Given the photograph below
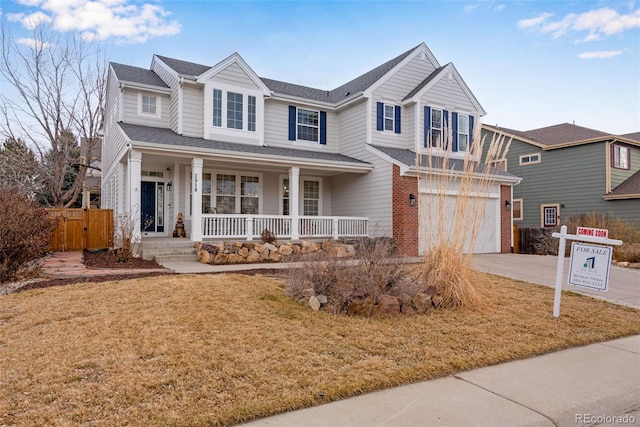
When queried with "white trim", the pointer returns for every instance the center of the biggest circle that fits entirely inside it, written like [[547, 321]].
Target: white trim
[[513, 204], [530, 162], [158, 102], [298, 141], [301, 200], [235, 58]]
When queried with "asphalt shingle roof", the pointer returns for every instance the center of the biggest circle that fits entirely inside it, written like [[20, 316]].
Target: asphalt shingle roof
[[634, 135], [629, 186], [408, 158], [334, 96], [168, 137], [131, 74], [424, 82]]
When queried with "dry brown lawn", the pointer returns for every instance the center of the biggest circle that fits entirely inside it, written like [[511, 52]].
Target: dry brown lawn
[[222, 349]]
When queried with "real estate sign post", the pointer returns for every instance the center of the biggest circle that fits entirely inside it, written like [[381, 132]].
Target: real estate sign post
[[589, 264]]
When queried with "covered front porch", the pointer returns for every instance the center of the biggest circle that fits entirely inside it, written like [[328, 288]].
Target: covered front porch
[[220, 199]]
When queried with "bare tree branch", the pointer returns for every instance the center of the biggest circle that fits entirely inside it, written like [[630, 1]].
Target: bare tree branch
[[56, 97]]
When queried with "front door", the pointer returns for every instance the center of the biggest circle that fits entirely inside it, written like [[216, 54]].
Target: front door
[[152, 207]]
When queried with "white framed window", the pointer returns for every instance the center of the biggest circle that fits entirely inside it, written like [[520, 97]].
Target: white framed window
[[436, 128], [311, 197], [463, 132], [148, 105], [251, 115], [530, 159], [217, 107], [621, 157], [228, 192], [389, 114], [516, 210], [308, 125], [550, 215], [234, 110], [229, 108]]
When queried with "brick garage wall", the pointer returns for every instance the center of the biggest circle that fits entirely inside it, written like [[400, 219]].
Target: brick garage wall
[[505, 219], [405, 216]]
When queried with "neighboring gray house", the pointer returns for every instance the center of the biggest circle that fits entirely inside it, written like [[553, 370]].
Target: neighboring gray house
[[568, 169], [236, 153]]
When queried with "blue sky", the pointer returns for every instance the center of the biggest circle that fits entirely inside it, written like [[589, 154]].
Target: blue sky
[[530, 63]]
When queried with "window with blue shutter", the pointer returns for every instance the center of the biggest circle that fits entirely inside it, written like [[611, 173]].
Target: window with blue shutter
[[323, 127], [379, 116], [292, 123], [470, 131], [427, 125], [397, 122], [454, 128], [445, 128]]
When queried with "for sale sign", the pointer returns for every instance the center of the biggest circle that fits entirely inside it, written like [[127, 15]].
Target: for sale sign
[[589, 266]]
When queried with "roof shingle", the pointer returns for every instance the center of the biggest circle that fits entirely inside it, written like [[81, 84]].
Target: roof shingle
[[139, 75]]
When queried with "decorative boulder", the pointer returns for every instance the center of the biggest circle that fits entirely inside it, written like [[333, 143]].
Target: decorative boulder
[[387, 306]]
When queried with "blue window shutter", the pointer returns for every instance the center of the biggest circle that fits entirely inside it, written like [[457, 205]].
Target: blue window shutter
[[379, 116], [454, 128], [445, 129], [292, 123], [398, 114], [323, 127], [470, 131], [427, 125]]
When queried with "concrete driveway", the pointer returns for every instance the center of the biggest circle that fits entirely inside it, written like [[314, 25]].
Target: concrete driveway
[[624, 283]]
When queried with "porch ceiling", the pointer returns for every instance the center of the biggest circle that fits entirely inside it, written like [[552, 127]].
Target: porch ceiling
[[167, 143]]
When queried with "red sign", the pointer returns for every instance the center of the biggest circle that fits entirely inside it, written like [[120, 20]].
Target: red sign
[[593, 232]]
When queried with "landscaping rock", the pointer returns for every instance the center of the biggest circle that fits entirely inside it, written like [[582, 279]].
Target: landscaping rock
[[220, 258], [275, 256], [235, 259], [309, 292], [243, 252], [323, 299], [272, 248], [314, 303], [421, 303], [387, 306], [204, 257], [285, 250], [253, 256]]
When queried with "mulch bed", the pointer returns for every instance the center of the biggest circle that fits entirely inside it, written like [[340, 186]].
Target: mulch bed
[[109, 260]]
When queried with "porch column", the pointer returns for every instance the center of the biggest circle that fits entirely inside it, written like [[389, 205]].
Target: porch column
[[133, 205], [196, 197], [294, 201]]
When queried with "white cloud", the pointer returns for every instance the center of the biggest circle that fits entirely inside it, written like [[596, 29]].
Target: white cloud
[[599, 23], [602, 54], [499, 8], [33, 43], [122, 20], [534, 22], [470, 7], [30, 21]]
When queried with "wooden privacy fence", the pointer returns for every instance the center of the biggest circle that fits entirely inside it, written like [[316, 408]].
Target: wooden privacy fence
[[80, 229]]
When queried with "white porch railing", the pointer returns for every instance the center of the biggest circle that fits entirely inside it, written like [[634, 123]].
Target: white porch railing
[[250, 227]]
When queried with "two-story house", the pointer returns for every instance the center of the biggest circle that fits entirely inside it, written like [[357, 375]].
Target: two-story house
[[568, 169], [236, 153]]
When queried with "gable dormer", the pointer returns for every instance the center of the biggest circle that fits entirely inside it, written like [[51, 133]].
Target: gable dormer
[[233, 102]]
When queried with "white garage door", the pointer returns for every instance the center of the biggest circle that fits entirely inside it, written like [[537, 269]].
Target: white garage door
[[488, 238]]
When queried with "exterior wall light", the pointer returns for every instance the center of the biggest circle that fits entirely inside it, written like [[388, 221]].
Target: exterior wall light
[[507, 204], [412, 199]]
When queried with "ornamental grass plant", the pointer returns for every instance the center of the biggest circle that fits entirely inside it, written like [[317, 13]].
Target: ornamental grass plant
[[453, 197]]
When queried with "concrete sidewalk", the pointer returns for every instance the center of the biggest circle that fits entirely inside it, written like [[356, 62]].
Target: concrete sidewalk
[[595, 384]]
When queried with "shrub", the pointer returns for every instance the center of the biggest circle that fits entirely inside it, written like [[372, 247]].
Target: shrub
[[378, 270], [26, 232], [618, 228], [267, 236]]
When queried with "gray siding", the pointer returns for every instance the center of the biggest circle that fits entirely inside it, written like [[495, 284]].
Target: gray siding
[[367, 195], [131, 109], [172, 81], [236, 76], [619, 175], [276, 128], [193, 111], [573, 177]]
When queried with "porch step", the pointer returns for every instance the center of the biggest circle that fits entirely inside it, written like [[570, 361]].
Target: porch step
[[166, 247], [162, 259]]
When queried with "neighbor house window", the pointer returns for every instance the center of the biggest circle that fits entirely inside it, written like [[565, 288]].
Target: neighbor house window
[[517, 209], [436, 128], [251, 115], [530, 159], [311, 198], [217, 107], [620, 157], [550, 216], [234, 110], [463, 132], [308, 125]]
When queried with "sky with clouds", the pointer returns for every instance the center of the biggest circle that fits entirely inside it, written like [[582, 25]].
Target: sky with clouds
[[530, 63]]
